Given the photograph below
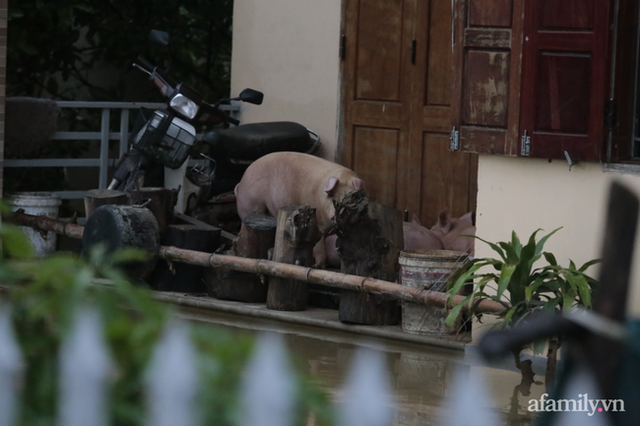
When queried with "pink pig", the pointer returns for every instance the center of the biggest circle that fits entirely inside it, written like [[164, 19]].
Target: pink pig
[[290, 178], [450, 232], [415, 235]]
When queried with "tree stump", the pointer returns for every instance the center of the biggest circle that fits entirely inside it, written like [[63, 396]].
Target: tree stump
[[100, 197], [120, 227], [369, 241], [256, 237], [296, 235], [181, 277], [160, 201]]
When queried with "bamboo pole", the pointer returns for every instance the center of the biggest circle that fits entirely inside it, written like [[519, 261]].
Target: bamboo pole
[[319, 276], [45, 223], [275, 269]]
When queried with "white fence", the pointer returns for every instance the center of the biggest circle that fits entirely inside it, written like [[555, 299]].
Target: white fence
[[268, 390], [104, 136]]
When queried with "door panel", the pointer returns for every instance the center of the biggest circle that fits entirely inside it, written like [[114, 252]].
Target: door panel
[[377, 94], [376, 156], [446, 179], [565, 69], [379, 51], [397, 84], [485, 90], [490, 13], [568, 14], [438, 178], [488, 37]]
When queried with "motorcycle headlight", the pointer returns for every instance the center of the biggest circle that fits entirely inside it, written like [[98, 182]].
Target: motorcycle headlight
[[183, 105]]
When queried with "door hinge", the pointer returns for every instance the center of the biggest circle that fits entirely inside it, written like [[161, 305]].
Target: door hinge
[[610, 114], [343, 47], [454, 140], [525, 145]]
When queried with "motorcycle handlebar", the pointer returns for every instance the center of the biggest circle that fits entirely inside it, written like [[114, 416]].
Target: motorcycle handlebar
[[143, 63]]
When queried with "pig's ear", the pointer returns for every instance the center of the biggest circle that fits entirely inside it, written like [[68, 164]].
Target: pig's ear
[[444, 220], [467, 218], [358, 184], [414, 219], [330, 186]]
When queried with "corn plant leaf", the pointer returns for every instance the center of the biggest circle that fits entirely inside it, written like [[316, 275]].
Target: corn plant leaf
[[512, 256], [550, 258], [584, 267], [544, 239], [505, 278], [453, 315], [462, 280], [584, 291], [495, 248], [515, 243], [509, 314]]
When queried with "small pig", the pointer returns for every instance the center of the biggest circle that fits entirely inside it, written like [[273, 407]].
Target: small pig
[[415, 235], [449, 231], [418, 237], [290, 178]]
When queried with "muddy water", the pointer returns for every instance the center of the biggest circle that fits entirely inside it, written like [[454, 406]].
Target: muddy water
[[420, 376]]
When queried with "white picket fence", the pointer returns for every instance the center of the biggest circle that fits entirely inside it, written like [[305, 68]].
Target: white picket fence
[[267, 391]]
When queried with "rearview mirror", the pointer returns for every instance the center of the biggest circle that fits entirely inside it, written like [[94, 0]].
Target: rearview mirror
[[251, 96], [159, 38]]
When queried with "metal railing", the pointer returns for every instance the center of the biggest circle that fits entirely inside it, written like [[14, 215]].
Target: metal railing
[[104, 136]]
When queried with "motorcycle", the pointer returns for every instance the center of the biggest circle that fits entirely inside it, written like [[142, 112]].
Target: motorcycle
[[163, 140]]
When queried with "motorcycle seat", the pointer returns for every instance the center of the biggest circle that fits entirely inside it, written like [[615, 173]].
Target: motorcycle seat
[[252, 141]]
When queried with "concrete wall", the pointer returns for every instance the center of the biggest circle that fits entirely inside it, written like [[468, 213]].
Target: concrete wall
[[289, 49], [525, 194]]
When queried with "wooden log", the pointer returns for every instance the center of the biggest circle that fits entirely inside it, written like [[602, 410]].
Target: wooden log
[[266, 267], [370, 239], [160, 201], [100, 197], [181, 277], [256, 237], [296, 235], [119, 227], [68, 228]]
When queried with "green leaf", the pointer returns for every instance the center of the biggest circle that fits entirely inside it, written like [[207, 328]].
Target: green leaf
[[15, 242], [462, 280], [512, 257], [515, 243], [505, 278], [494, 247], [544, 239], [584, 267], [453, 315], [584, 290], [550, 258]]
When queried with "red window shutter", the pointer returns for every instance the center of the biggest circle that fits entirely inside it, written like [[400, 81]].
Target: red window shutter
[[565, 78]]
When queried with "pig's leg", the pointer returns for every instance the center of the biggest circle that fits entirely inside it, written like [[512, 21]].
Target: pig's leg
[[320, 253], [247, 201]]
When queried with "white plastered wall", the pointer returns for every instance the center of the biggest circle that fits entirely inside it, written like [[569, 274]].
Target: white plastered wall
[[289, 49], [524, 194]]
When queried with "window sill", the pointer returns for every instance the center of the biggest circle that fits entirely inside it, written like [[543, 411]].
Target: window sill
[[622, 168]]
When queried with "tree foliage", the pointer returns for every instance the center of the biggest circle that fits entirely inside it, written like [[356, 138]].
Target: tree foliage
[[56, 47]]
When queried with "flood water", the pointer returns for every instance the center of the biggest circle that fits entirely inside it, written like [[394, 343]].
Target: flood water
[[421, 376]]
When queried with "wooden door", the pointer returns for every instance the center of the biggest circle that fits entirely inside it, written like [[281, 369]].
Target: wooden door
[[564, 79], [396, 109]]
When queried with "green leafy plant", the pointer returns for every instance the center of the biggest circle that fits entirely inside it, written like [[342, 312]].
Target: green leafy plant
[[513, 280], [45, 293]]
